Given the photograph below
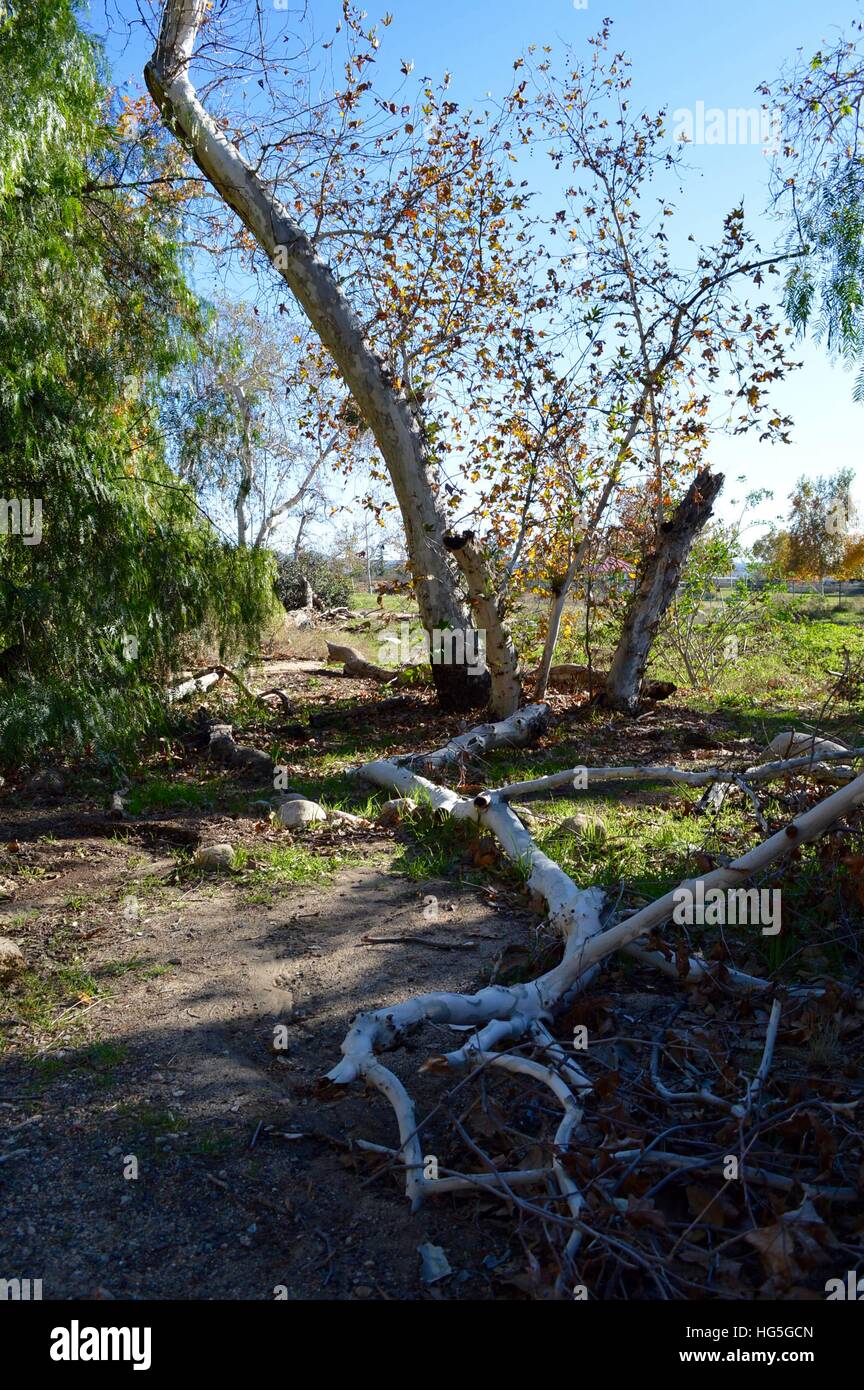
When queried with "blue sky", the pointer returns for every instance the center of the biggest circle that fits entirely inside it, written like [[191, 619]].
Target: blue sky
[[682, 54]]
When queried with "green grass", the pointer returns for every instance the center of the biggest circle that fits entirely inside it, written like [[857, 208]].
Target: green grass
[[101, 1058], [39, 1000], [18, 920], [159, 795], [648, 846], [273, 865], [148, 970], [145, 1120], [435, 847], [392, 603]]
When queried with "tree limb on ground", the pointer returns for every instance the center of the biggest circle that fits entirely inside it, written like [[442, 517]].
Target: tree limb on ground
[[355, 664], [506, 1015]]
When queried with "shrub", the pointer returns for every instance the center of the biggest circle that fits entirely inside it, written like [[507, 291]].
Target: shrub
[[328, 581]]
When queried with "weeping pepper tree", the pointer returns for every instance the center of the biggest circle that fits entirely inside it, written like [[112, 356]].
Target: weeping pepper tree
[[94, 311]]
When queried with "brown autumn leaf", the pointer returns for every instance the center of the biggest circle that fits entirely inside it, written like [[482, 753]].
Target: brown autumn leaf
[[776, 1247], [485, 855], [708, 1205], [644, 1213], [795, 1243], [606, 1085]]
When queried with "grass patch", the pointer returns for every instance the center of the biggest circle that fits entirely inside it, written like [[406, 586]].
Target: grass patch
[[142, 1119], [35, 999], [290, 863], [435, 848], [159, 795], [112, 969]]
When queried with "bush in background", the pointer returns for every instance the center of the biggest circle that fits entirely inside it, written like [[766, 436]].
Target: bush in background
[[330, 584]]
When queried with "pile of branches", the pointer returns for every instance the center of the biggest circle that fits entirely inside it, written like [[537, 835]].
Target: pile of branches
[[645, 1147]]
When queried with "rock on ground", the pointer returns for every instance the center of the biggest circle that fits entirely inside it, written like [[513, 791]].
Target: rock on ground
[[12, 962], [298, 812], [214, 858], [581, 824], [48, 782]]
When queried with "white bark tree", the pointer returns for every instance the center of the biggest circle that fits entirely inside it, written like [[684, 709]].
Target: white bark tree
[[252, 423], [385, 407]]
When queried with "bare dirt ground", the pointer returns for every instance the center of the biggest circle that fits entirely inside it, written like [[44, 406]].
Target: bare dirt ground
[[172, 1063], [155, 1143]]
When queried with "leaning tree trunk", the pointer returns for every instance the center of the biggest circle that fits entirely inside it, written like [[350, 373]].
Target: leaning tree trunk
[[656, 589], [386, 410]]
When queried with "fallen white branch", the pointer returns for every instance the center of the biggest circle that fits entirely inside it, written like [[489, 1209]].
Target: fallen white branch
[[519, 729], [755, 1087], [577, 778], [503, 1015], [661, 1158], [355, 664], [196, 684]]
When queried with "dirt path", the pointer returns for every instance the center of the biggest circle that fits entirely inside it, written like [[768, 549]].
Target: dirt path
[[170, 1066]]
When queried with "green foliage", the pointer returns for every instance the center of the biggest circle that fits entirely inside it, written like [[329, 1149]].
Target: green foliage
[[329, 583], [706, 631], [94, 311], [826, 290], [821, 509], [820, 184]]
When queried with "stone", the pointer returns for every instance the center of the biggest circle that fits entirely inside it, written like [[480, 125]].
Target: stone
[[790, 744], [347, 819], [297, 812], [12, 962], [48, 782], [392, 812], [586, 826], [215, 858], [8, 889], [252, 760], [221, 747]]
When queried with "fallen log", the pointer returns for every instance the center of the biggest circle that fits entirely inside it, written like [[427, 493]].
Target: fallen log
[[195, 684], [203, 680], [355, 664], [578, 778], [516, 731]]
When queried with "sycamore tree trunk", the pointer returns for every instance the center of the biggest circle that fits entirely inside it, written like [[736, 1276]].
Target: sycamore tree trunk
[[505, 691], [386, 410], [656, 589]]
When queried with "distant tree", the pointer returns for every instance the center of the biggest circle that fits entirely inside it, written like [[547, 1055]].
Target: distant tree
[[771, 556], [820, 525], [254, 420], [329, 582]]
